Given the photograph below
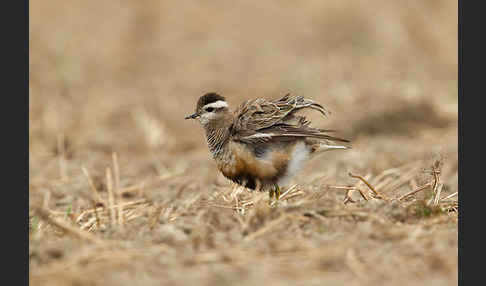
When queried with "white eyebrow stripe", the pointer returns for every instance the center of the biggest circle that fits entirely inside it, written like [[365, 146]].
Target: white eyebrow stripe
[[216, 104]]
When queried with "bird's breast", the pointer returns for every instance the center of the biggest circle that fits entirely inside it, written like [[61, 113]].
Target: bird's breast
[[242, 161]]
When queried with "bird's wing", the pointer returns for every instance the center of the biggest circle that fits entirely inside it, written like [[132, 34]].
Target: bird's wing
[[260, 120]]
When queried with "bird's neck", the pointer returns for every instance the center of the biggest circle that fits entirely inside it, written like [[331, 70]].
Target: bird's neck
[[217, 138]]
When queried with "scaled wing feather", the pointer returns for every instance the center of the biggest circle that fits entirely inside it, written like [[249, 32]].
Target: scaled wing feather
[[260, 120]]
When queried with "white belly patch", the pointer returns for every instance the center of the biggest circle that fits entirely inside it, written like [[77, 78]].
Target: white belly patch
[[298, 158]]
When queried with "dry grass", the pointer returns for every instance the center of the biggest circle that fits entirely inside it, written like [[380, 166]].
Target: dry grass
[[122, 190]]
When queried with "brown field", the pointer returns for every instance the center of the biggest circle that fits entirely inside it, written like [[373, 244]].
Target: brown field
[[123, 191]]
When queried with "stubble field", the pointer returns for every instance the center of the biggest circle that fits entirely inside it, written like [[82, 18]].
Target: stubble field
[[123, 191]]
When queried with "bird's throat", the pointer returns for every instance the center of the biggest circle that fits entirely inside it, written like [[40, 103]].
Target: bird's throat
[[217, 139]]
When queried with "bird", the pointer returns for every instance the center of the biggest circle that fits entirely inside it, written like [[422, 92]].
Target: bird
[[263, 143]]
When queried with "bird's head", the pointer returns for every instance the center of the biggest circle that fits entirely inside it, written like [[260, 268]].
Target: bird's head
[[211, 109]]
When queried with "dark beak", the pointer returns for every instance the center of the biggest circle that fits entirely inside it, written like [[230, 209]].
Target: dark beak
[[192, 116]]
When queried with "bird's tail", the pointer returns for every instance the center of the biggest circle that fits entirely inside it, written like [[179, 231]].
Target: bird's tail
[[321, 147]]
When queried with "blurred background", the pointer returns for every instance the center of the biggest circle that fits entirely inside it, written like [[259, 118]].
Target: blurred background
[[122, 75]]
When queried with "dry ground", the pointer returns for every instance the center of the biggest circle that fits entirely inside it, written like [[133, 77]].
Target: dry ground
[[122, 190]]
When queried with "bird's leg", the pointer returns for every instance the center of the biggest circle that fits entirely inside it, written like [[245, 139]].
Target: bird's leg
[[277, 192]]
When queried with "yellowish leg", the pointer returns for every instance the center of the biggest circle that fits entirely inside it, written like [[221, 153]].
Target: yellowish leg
[[270, 193], [277, 192]]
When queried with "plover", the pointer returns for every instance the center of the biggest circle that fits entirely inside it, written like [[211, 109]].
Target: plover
[[263, 143]]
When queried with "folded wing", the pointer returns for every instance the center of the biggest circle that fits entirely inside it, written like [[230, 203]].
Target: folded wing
[[260, 120]]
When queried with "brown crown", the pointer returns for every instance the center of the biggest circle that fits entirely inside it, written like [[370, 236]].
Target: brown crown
[[208, 98]]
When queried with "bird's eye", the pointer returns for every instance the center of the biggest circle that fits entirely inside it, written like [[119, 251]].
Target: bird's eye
[[209, 109]]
